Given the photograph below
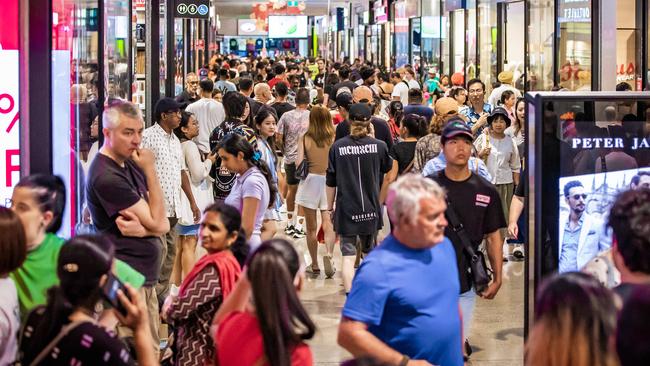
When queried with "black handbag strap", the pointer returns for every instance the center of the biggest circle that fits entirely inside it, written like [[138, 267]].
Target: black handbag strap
[[459, 229]]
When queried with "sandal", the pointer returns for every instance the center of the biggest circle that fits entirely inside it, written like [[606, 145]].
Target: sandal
[[311, 270]]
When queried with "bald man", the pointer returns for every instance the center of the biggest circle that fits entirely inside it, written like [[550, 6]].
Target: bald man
[[263, 93]]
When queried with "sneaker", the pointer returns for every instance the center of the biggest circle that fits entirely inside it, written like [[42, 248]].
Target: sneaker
[[289, 230], [329, 266], [298, 233]]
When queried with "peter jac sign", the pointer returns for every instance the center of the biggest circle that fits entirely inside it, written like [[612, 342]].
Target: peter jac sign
[[199, 9]]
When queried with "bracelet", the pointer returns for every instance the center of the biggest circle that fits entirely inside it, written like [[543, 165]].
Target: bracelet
[[405, 360]]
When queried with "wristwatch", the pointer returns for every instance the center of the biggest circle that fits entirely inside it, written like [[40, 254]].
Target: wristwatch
[[405, 360]]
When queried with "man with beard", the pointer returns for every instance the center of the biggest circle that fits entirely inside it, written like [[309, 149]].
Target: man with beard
[[582, 236]]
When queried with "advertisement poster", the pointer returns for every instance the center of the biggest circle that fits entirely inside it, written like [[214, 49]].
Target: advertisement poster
[[287, 26], [9, 102]]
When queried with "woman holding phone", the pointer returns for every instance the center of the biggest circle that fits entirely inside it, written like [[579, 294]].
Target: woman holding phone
[[65, 330]]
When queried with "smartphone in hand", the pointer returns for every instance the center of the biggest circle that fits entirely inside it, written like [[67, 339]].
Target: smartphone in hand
[[109, 291]]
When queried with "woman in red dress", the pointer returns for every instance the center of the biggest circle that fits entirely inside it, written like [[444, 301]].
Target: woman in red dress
[[263, 321]]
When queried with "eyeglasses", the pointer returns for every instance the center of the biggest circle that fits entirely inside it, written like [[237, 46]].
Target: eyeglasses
[[578, 196]]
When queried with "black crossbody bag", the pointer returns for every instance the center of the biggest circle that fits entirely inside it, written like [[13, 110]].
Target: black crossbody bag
[[481, 275]]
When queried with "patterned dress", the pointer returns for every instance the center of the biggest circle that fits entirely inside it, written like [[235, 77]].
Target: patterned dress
[[192, 314]]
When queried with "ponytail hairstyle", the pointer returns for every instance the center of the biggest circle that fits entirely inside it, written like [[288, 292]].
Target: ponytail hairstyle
[[416, 125], [283, 321], [234, 144], [359, 129], [83, 261], [263, 113], [49, 193], [231, 219]]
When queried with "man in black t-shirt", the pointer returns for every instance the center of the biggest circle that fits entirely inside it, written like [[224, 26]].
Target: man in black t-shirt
[[126, 201], [355, 174], [477, 204], [281, 105]]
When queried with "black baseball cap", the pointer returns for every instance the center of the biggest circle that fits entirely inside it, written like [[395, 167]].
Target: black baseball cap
[[360, 112], [165, 105], [456, 128]]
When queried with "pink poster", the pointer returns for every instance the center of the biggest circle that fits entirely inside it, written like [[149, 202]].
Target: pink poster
[[9, 93]]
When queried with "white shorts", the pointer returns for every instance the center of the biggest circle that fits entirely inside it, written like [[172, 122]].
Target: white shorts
[[311, 192]]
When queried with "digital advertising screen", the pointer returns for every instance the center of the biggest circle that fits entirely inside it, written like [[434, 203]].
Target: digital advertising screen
[[591, 151], [250, 27], [288, 26], [583, 150]]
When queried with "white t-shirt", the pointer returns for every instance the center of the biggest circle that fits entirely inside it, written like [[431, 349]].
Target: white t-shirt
[[401, 90], [413, 84], [9, 321], [210, 114], [503, 159]]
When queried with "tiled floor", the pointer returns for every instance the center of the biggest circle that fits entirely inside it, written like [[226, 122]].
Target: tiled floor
[[496, 335]]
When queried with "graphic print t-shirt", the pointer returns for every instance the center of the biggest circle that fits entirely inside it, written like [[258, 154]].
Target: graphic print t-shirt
[[223, 178], [356, 168]]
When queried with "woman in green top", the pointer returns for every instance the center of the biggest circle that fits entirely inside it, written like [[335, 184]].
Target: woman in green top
[[39, 201]]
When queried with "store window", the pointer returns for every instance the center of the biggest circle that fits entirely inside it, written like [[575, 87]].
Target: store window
[[75, 104], [401, 35], [432, 34], [458, 24], [540, 44], [470, 39], [628, 52], [487, 10], [9, 102], [574, 44], [514, 47], [116, 49]]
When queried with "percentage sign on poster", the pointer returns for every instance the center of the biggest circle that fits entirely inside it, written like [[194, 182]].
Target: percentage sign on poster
[[9, 109]]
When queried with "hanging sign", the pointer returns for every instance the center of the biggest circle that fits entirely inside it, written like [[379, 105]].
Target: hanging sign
[[197, 9]]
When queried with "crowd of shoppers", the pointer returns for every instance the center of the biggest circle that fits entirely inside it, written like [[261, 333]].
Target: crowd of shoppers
[[188, 216]]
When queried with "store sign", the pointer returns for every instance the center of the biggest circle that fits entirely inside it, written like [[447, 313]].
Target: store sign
[[380, 11], [9, 100], [574, 11], [140, 4], [199, 9]]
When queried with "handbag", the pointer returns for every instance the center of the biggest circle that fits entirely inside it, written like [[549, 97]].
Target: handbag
[[481, 275], [302, 170]]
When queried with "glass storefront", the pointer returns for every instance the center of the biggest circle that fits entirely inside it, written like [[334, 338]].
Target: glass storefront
[[540, 44], [628, 44], [470, 41], [513, 43], [433, 32], [574, 45], [487, 31], [400, 35]]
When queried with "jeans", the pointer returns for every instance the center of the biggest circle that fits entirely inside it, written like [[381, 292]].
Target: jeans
[[467, 302]]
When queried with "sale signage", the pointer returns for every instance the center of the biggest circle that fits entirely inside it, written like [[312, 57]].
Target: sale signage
[[9, 100]]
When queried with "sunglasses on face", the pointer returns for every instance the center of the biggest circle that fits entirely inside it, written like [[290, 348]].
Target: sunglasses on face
[[578, 196]]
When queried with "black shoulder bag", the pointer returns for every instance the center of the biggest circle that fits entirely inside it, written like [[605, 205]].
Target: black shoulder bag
[[481, 275]]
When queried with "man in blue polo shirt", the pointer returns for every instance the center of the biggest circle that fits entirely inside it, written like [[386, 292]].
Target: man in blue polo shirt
[[403, 306]]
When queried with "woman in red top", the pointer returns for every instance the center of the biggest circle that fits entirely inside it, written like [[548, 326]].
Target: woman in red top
[[273, 330]]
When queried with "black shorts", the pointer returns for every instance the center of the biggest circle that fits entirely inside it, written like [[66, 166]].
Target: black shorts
[[290, 172], [351, 243]]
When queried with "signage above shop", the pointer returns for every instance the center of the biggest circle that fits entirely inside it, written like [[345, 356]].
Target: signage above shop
[[198, 9], [574, 11]]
